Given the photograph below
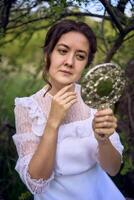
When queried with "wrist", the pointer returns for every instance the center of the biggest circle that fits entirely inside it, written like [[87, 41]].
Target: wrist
[[52, 124], [103, 142]]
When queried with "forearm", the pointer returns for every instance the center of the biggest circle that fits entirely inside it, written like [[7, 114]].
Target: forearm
[[42, 162], [109, 157]]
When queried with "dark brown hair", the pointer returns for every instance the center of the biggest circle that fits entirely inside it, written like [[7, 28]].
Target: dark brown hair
[[60, 28]]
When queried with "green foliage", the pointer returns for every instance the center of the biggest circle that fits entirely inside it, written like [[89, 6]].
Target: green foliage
[[25, 196], [21, 50], [13, 85], [106, 36], [21, 76], [9, 179], [127, 158], [126, 51], [128, 165]]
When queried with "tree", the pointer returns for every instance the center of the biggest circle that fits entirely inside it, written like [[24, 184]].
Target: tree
[[35, 11]]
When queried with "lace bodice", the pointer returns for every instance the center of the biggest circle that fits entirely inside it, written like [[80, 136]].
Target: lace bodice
[[77, 112], [31, 115]]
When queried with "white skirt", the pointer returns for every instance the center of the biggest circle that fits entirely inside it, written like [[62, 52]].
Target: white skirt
[[93, 184]]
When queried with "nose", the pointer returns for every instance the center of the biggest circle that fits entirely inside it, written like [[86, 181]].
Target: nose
[[69, 61]]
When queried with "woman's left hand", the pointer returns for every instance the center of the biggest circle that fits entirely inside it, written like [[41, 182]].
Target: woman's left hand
[[104, 124]]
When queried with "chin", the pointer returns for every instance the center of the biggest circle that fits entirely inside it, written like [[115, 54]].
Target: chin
[[65, 82]]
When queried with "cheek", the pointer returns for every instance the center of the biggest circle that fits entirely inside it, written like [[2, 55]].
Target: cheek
[[79, 74], [53, 64], [81, 68], [57, 60], [51, 70]]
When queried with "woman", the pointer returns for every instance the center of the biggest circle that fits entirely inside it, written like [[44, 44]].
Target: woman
[[62, 152]]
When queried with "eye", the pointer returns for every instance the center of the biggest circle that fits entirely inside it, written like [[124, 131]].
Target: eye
[[62, 51], [81, 57]]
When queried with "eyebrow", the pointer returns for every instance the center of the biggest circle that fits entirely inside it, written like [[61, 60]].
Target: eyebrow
[[81, 51]]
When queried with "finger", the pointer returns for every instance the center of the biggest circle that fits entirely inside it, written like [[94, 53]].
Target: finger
[[105, 124], [103, 112], [106, 131], [67, 94], [106, 118], [64, 89], [68, 99], [70, 103]]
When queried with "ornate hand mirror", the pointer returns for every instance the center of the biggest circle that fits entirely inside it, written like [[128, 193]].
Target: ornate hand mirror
[[102, 85]]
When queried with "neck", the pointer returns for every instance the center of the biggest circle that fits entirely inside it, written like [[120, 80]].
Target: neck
[[57, 87]]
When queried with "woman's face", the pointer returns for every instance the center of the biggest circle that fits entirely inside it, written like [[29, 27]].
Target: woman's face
[[68, 59]]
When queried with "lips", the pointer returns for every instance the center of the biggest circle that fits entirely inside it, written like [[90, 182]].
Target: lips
[[64, 71]]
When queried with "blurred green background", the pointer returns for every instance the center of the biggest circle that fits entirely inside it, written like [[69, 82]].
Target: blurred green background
[[21, 64]]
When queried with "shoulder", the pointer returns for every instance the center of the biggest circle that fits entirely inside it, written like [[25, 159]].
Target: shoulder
[[28, 100], [30, 107], [29, 104]]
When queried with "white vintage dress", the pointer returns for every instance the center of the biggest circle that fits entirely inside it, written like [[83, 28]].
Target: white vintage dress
[[77, 173]]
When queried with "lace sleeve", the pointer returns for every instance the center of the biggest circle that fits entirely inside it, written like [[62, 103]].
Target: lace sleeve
[[26, 143]]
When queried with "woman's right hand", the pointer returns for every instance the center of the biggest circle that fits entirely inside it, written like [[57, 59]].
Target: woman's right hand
[[61, 102]]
